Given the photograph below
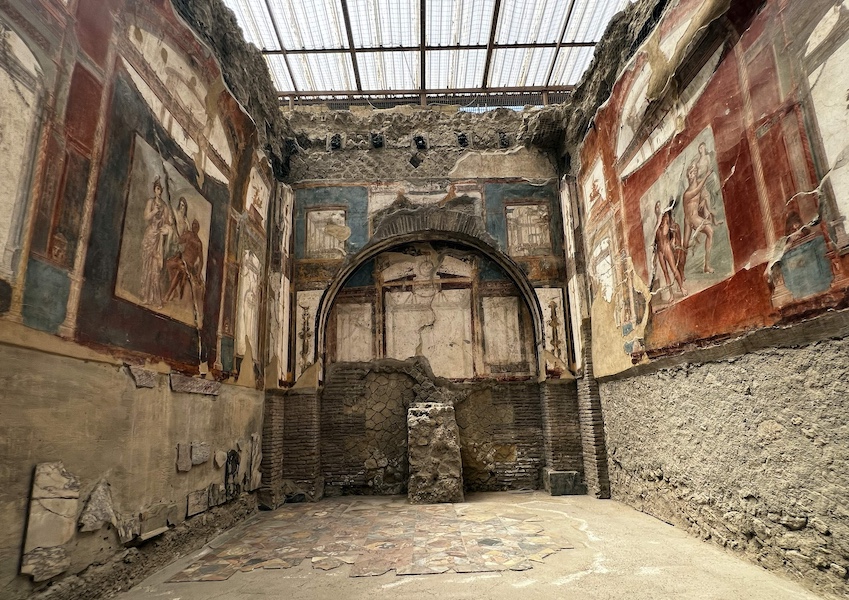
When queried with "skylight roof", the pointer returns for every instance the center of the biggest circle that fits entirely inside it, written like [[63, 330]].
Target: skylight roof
[[425, 50]]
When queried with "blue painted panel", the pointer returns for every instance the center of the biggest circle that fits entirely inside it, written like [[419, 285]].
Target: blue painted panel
[[45, 296], [353, 198], [490, 271], [227, 353], [806, 269], [362, 277], [496, 195]]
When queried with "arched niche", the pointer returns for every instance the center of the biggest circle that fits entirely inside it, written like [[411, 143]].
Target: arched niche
[[472, 242]]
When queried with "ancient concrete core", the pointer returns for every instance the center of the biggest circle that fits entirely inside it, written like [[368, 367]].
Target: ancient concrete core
[[211, 303], [436, 469]]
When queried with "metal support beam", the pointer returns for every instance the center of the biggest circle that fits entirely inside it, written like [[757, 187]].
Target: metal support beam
[[380, 49], [560, 42], [351, 46], [496, 12], [423, 51], [430, 92], [280, 42]]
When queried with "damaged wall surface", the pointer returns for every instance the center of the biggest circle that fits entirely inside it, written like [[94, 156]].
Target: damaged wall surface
[[710, 193], [708, 177], [746, 453], [139, 200]]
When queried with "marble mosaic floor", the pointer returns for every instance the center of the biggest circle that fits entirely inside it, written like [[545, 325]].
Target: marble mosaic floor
[[375, 535]]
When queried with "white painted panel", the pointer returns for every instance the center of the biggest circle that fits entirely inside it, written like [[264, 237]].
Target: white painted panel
[[431, 323]]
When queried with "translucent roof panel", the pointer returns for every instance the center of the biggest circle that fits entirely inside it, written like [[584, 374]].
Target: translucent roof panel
[[512, 67], [452, 23], [309, 25], [320, 72], [389, 70], [308, 44], [590, 18], [525, 21], [455, 69], [384, 23], [256, 23], [279, 71], [571, 64]]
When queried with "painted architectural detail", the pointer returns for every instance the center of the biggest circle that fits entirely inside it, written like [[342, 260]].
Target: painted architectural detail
[[326, 233], [826, 55], [305, 317], [528, 230], [165, 240], [247, 308], [502, 334], [355, 331], [551, 302], [170, 79], [258, 195], [21, 86], [595, 187]]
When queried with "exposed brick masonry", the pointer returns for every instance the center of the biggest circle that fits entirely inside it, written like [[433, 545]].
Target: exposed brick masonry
[[301, 452], [270, 491], [592, 423], [561, 430]]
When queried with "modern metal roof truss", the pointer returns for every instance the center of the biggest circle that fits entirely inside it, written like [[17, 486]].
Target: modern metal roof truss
[[424, 49]]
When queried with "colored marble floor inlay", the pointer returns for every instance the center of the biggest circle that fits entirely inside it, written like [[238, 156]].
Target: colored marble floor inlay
[[377, 535]]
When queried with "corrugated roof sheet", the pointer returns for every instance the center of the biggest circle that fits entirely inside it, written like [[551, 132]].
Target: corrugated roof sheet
[[314, 48]]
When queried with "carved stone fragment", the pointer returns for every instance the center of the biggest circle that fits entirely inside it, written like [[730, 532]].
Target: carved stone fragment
[[184, 457], [98, 509], [200, 452]]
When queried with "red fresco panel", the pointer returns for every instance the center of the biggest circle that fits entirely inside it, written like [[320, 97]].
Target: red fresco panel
[[83, 101], [94, 28]]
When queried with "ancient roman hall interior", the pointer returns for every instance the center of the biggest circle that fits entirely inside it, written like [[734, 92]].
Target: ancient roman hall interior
[[269, 254]]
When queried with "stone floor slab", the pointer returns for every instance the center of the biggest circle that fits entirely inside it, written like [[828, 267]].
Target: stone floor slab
[[511, 545]]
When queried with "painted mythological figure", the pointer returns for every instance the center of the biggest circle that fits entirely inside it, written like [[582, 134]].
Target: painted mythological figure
[[706, 210], [158, 226], [186, 264], [668, 248], [698, 219]]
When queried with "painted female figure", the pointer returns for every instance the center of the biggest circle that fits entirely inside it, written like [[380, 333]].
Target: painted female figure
[[157, 217]]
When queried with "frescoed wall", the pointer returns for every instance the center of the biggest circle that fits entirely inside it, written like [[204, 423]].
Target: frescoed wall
[[452, 305], [712, 180], [134, 219]]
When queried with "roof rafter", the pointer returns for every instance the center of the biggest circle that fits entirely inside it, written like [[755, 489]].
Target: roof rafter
[[423, 51], [496, 13], [560, 42], [351, 47], [430, 92], [280, 41], [429, 48]]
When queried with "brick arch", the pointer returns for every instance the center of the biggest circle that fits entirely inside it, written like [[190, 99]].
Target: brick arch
[[471, 240], [432, 218]]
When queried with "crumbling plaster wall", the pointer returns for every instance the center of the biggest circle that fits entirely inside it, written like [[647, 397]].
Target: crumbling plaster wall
[[127, 95], [741, 442], [93, 418], [245, 72], [747, 452], [358, 159]]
